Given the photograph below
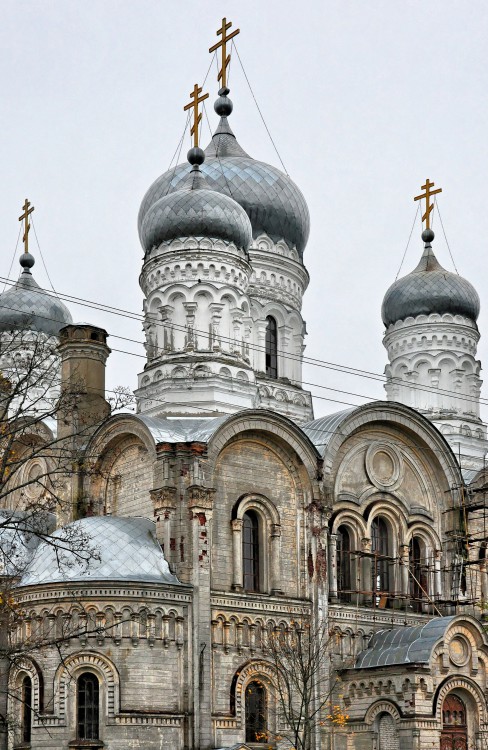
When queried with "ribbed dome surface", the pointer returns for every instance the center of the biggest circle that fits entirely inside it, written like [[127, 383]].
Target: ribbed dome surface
[[118, 549], [195, 211], [429, 288], [272, 201], [25, 306]]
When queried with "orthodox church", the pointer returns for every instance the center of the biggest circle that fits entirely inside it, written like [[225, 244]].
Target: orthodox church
[[222, 509]]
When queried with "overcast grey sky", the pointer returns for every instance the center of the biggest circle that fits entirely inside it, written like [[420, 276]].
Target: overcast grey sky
[[364, 100]]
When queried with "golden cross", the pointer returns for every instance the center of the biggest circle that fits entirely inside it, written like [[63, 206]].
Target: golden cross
[[25, 218], [427, 195], [197, 99], [223, 43]]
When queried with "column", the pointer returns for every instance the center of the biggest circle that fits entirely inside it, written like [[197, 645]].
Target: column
[[237, 579], [247, 331], [166, 312], [216, 313], [259, 355], [275, 571], [237, 316], [437, 575], [366, 572], [404, 568], [333, 567], [190, 340]]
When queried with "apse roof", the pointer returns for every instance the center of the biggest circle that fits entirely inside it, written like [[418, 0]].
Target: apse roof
[[403, 645], [321, 431], [191, 430], [100, 548]]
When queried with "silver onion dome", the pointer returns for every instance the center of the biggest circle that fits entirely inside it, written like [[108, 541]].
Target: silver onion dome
[[25, 306], [274, 204], [195, 210], [428, 289]]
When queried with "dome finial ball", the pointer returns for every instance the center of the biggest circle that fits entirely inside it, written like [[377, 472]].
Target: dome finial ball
[[428, 235], [196, 155]]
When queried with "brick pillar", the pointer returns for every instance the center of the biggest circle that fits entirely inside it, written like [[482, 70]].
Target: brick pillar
[[200, 503]]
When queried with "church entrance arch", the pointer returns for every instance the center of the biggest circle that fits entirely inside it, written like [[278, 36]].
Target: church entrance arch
[[454, 734]]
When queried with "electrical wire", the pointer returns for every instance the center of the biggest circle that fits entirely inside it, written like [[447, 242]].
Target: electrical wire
[[445, 236], [324, 364], [40, 253], [13, 259], [408, 242], [259, 110]]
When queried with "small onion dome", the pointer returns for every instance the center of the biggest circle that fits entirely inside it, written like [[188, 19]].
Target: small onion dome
[[25, 306], [195, 210], [428, 289], [274, 204]]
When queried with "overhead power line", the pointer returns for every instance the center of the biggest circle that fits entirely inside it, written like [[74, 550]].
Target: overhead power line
[[324, 364]]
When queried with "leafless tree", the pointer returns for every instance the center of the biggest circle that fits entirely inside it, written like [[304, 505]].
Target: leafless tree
[[43, 454], [304, 685]]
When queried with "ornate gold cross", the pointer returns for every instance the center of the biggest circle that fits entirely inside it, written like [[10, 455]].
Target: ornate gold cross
[[25, 218], [428, 205], [197, 117], [223, 43]]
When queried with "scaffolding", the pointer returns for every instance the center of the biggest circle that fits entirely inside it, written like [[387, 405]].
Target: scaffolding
[[436, 582]]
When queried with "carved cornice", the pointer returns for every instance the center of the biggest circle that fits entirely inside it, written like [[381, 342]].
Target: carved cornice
[[200, 497], [163, 498]]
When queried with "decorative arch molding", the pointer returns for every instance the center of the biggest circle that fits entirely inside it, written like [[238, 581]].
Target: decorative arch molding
[[116, 429], [426, 532], [394, 515], [401, 417], [382, 707], [26, 667], [256, 502], [460, 683], [272, 424], [256, 669], [88, 661], [353, 520]]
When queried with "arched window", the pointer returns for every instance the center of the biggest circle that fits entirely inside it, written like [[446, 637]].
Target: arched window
[[417, 574], [256, 712], [380, 562], [250, 551], [271, 348], [343, 564], [88, 707], [26, 709]]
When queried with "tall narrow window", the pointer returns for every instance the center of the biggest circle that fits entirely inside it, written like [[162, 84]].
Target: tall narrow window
[[88, 706], [271, 348], [343, 564], [417, 574], [381, 563], [256, 710], [250, 550], [26, 709]]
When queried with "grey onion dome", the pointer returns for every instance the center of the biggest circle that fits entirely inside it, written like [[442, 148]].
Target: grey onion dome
[[428, 289], [274, 204], [195, 210], [25, 306]]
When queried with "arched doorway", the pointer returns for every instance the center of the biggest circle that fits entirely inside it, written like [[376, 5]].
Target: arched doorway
[[454, 734]]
